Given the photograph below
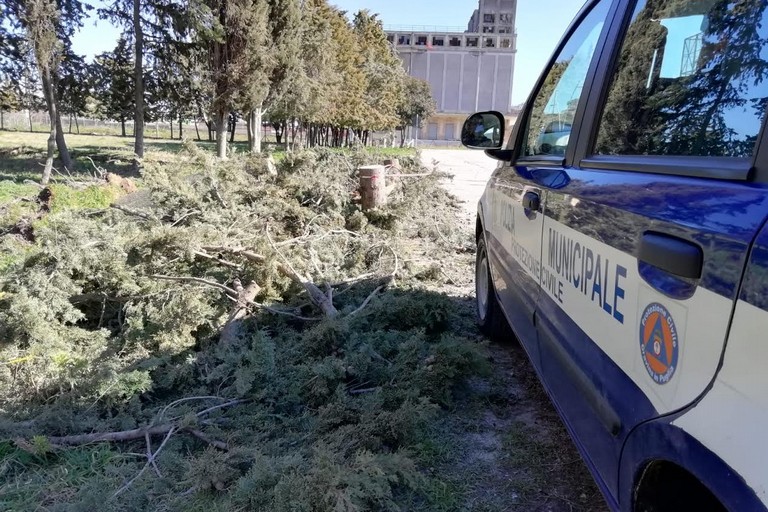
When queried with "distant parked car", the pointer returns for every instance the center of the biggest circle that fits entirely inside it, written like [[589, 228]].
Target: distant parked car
[[626, 245], [554, 137]]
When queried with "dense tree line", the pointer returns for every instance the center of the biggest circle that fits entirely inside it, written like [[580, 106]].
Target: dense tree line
[[300, 65]]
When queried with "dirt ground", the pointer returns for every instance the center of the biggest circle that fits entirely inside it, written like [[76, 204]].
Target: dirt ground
[[471, 170], [510, 450]]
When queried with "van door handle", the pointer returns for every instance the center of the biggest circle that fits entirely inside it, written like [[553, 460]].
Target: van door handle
[[531, 201], [671, 254]]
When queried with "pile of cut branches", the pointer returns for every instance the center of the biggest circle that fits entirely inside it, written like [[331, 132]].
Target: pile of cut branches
[[231, 337]]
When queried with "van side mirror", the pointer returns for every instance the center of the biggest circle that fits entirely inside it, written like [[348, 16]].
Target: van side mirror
[[484, 130]]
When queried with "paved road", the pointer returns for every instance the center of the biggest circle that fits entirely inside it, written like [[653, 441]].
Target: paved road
[[471, 170]]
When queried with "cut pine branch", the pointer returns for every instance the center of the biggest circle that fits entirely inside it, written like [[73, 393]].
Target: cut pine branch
[[245, 296], [316, 295], [137, 433]]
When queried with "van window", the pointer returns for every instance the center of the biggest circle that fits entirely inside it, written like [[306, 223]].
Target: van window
[[692, 80], [554, 108]]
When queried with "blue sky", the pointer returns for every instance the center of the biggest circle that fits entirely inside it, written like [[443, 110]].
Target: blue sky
[[540, 24]]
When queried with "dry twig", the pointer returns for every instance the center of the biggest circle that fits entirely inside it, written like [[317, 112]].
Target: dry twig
[[150, 461], [214, 284]]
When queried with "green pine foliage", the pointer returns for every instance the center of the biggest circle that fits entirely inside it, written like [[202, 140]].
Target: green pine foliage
[[90, 341]]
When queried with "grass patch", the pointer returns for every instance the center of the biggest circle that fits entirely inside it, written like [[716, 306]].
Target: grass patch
[[93, 197], [115, 153], [10, 190]]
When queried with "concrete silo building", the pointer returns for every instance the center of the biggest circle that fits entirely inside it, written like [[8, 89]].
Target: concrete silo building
[[469, 70]]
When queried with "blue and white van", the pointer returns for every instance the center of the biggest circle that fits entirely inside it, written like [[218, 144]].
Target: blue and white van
[[629, 254]]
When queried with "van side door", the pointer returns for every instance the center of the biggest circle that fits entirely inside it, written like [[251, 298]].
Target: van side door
[[646, 237]]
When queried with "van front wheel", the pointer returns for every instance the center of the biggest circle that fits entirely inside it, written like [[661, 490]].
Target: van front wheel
[[490, 319]]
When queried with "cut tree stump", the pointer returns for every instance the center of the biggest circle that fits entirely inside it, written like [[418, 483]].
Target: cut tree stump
[[373, 186]]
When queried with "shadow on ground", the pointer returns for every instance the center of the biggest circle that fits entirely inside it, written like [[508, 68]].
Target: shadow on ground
[[506, 448]]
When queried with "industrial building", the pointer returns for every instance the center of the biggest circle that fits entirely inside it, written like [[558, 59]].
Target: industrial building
[[469, 70]]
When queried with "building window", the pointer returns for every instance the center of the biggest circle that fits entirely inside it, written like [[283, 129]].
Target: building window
[[506, 18], [506, 43], [404, 40], [454, 41], [391, 38], [489, 29], [490, 42], [489, 18], [505, 30], [421, 40], [438, 41], [472, 41]]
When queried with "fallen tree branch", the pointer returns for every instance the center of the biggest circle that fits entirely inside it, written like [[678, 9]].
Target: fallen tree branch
[[214, 284], [99, 172], [245, 296], [232, 294], [231, 403], [245, 253], [221, 445], [363, 391], [150, 455], [217, 259], [367, 300], [180, 401], [283, 312], [150, 461], [389, 280], [141, 432], [184, 217], [322, 300], [100, 437], [133, 213], [315, 294]]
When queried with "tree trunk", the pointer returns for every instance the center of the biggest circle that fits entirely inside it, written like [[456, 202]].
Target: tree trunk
[[122, 124], [181, 127], [254, 127], [53, 113], [138, 70], [171, 123], [234, 127], [249, 128], [51, 102], [77, 125], [207, 122], [66, 159], [197, 130], [70, 122], [2, 120], [30, 120], [222, 116]]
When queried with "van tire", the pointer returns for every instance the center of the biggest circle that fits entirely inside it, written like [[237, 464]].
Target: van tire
[[490, 318]]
